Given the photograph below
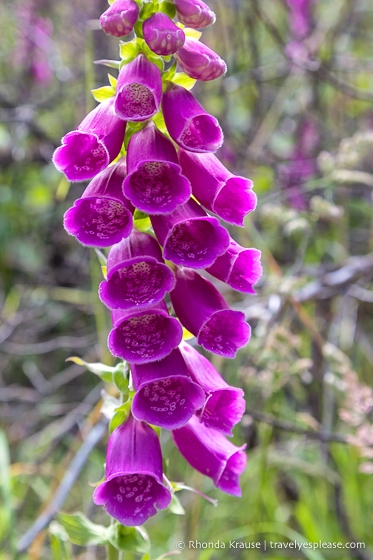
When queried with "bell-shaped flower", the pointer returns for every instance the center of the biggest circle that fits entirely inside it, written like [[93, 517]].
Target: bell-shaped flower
[[93, 145], [199, 61], [139, 90], [136, 274], [189, 236], [119, 18], [238, 267], [166, 396], [161, 34], [205, 313], [216, 188], [133, 489], [144, 336], [189, 125], [103, 215], [212, 454], [225, 405], [154, 183], [194, 13]]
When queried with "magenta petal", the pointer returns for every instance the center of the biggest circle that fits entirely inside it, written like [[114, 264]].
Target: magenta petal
[[136, 275], [205, 313], [165, 396], [216, 188], [190, 237], [224, 406], [142, 337], [154, 184], [161, 34], [102, 216], [212, 454], [96, 142], [139, 90], [133, 488], [194, 13], [119, 18], [189, 125], [239, 267], [199, 61]]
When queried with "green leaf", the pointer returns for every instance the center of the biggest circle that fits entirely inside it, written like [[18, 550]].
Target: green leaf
[[132, 127], [120, 377], [141, 221], [167, 8], [6, 486], [183, 80], [103, 371], [175, 506], [129, 51], [108, 63], [81, 530], [170, 73], [103, 93], [148, 9], [59, 540], [120, 416], [158, 119], [132, 539]]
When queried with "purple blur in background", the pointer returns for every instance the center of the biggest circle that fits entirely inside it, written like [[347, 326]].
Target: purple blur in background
[[103, 215], [139, 90], [225, 405], [212, 454], [166, 395], [198, 61], [189, 236], [216, 188], [155, 183], [161, 34], [189, 125], [205, 313], [136, 274], [133, 489], [93, 145]]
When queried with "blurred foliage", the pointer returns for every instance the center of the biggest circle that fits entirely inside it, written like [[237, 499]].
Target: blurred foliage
[[301, 127]]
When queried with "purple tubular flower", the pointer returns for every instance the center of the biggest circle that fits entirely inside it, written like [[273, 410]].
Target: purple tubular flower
[[239, 267], [102, 216], [93, 145], [154, 184], [119, 18], [224, 406], [136, 275], [199, 61], [139, 90], [212, 454], [205, 313], [144, 336], [189, 236], [133, 489], [161, 34], [216, 188], [166, 396], [194, 13], [188, 123]]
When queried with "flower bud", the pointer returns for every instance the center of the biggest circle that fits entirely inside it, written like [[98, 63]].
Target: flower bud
[[119, 18], [199, 61], [161, 34], [194, 13]]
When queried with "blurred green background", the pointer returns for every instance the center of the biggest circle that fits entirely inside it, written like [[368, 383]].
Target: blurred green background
[[297, 113]]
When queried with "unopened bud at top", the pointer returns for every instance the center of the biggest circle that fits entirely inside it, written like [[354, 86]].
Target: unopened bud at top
[[194, 13], [119, 19]]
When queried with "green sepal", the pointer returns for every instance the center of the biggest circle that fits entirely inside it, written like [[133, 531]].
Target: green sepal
[[131, 539], [81, 530], [133, 127], [184, 80], [112, 80], [120, 416], [175, 506], [167, 8], [128, 51], [170, 73], [158, 119], [103, 93], [141, 221], [148, 9]]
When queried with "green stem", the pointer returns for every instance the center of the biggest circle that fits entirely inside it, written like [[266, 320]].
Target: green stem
[[112, 552]]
